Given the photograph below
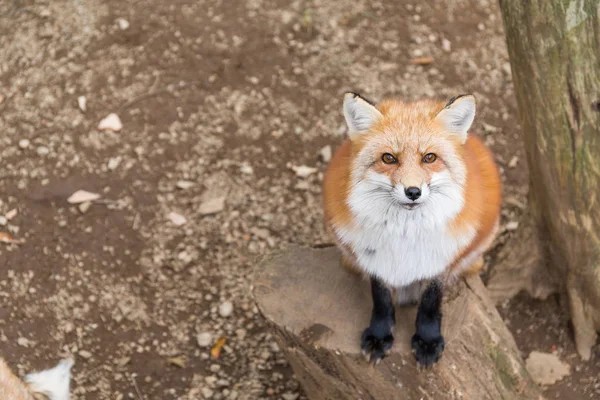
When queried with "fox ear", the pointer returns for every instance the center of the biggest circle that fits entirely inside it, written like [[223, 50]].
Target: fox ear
[[458, 115], [360, 114]]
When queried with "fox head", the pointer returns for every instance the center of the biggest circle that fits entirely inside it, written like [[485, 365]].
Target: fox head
[[408, 156]]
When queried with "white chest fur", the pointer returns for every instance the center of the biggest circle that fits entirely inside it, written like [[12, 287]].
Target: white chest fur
[[403, 250], [402, 246]]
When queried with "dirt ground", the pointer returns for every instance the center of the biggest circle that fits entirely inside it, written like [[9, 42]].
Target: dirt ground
[[219, 101]]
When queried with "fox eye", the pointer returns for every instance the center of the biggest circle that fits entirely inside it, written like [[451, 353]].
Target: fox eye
[[387, 158], [429, 158]]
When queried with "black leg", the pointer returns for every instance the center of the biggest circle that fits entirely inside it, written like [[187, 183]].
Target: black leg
[[428, 342], [377, 339]]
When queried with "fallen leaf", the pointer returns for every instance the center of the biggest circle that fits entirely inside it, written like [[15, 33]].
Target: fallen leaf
[[6, 238], [215, 352], [177, 361], [176, 218], [112, 122], [82, 196], [422, 60]]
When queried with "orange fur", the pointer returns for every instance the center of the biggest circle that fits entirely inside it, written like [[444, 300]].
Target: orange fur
[[482, 189], [11, 387]]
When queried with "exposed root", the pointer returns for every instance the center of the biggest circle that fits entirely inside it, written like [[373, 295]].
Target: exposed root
[[521, 266]]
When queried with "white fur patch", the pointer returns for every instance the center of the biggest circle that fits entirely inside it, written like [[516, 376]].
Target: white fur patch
[[398, 245], [53, 383]]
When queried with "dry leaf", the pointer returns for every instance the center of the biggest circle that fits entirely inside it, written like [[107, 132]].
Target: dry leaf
[[82, 196], [216, 350], [422, 60], [6, 238], [177, 361]]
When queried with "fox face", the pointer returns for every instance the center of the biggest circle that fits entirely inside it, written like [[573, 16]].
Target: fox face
[[408, 156]]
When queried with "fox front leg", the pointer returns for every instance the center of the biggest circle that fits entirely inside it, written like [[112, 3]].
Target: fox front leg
[[427, 342], [378, 338]]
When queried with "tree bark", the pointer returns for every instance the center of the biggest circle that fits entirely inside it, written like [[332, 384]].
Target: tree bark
[[554, 49], [317, 310]]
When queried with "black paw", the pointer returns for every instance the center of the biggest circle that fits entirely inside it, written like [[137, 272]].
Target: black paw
[[376, 345], [427, 352]]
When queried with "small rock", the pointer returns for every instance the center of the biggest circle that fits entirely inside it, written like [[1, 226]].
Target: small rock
[[85, 354], [489, 128], [23, 342], [212, 206], [176, 218], [12, 214], [81, 196], [24, 143], [303, 171], [225, 309], [512, 225], [204, 339], [290, 396], [513, 162], [446, 45], [546, 368], [43, 150], [3, 220], [82, 103], [123, 24], [184, 185], [85, 206], [325, 153], [506, 68], [111, 123], [114, 162], [246, 169], [207, 393]]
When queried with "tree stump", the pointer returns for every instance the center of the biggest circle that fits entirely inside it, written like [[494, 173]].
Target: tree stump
[[318, 310]]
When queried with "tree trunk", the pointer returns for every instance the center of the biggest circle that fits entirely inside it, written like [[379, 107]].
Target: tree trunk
[[554, 49], [317, 310]]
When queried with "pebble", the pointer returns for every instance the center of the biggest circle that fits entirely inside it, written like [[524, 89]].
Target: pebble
[[184, 185], [225, 309], [43, 150], [23, 342], [3, 220], [204, 339], [123, 24], [82, 196], [24, 143], [85, 206], [114, 162], [246, 169], [446, 45], [176, 218], [82, 103], [290, 396], [207, 393], [212, 206], [85, 354], [303, 171], [326, 153], [112, 122], [546, 368]]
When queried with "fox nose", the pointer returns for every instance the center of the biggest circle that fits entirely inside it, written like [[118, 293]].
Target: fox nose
[[413, 193]]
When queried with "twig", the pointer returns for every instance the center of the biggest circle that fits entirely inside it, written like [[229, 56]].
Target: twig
[[135, 386]]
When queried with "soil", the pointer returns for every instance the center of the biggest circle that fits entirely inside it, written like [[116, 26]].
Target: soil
[[227, 96]]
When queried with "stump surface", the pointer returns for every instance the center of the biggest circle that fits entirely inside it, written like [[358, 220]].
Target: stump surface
[[318, 311]]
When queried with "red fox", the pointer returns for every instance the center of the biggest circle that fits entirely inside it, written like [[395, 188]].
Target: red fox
[[413, 202], [51, 384]]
